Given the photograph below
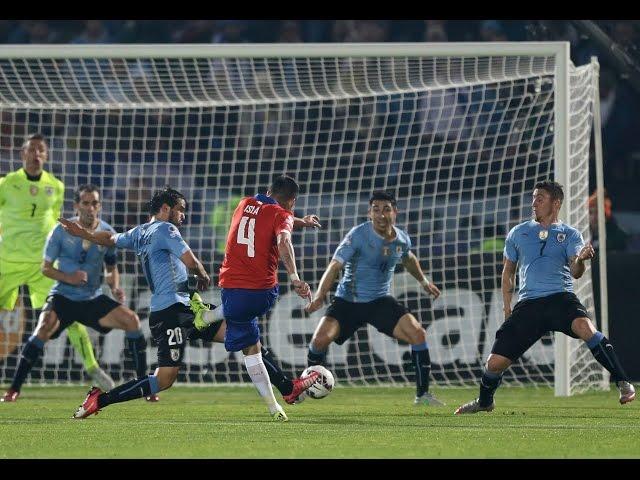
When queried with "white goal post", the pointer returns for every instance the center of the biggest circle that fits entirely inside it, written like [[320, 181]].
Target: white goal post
[[459, 132]]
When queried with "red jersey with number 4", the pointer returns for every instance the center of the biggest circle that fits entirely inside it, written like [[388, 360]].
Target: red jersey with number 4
[[251, 257]]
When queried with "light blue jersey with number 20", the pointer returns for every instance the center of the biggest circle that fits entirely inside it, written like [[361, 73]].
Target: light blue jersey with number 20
[[159, 247]]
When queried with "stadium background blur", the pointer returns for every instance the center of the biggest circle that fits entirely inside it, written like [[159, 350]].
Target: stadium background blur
[[148, 167], [619, 101]]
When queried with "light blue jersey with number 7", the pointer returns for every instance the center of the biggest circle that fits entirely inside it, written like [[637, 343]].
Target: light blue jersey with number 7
[[543, 256]]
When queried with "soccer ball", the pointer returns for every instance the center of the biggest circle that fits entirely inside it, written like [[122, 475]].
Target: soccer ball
[[323, 386]]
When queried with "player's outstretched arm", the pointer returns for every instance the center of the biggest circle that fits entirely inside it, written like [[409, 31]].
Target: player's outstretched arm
[[412, 265], [195, 266], [307, 221], [288, 256], [326, 282], [576, 263], [508, 283], [103, 237]]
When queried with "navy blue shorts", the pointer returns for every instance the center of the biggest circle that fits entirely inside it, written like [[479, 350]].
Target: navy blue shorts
[[86, 312], [531, 319], [242, 307]]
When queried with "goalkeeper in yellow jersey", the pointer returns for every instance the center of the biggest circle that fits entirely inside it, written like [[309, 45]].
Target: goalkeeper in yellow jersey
[[30, 204]]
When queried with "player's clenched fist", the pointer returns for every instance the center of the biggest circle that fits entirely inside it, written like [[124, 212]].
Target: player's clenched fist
[[302, 289], [587, 252]]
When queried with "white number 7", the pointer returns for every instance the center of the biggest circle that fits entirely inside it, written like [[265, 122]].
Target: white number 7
[[248, 240]]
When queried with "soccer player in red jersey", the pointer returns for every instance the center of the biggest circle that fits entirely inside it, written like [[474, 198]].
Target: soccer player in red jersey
[[260, 235]]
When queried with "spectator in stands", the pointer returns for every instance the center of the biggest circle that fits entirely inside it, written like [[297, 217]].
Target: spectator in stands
[[39, 32], [132, 209], [141, 31], [492, 31], [435, 31], [492, 240], [290, 32], [94, 32], [342, 30], [617, 239], [230, 31], [618, 113], [195, 31]]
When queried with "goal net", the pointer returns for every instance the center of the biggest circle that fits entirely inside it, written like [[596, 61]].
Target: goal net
[[459, 133]]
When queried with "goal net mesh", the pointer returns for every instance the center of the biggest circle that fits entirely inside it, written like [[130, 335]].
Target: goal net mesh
[[460, 141]]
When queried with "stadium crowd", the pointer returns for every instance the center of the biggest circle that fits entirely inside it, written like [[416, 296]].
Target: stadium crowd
[[619, 101]]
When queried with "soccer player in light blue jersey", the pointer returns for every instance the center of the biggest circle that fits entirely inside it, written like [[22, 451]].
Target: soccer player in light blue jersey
[[77, 293], [165, 259], [549, 253], [369, 254]]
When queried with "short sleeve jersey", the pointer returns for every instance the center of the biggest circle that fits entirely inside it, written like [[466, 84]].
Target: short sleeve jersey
[[74, 253], [543, 257], [159, 247], [251, 256], [369, 262], [28, 212]]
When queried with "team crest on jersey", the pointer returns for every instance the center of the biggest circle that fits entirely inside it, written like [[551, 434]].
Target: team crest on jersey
[[561, 237], [33, 190], [175, 354], [48, 190], [543, 234]]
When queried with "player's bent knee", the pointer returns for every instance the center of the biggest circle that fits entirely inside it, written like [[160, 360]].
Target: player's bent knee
[[497, 363], [47, 325], [418, 336], [166, 377], [131, 321], [583, 327], [321, 341]]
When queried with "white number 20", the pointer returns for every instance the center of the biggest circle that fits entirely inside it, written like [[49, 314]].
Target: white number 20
[[248, 240], [175, 334]]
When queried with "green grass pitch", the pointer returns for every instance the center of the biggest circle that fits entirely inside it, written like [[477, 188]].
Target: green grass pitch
[[232, 422]]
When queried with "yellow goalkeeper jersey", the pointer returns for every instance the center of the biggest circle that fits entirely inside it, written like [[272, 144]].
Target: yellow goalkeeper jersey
[[28, 212]]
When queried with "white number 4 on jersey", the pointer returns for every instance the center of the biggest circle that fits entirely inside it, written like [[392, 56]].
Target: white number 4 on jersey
[[247, 240]]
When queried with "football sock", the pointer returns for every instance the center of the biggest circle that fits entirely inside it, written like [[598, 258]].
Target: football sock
[[79, 338], [31, 351], [260, 378], [137, 348], [422, 364], [136, 388], [277, 376], [488, 385], [603, 352], [315, 357], [213, 315]]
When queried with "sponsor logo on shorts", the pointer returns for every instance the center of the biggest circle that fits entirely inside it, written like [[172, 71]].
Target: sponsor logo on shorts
[[175, 354]]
